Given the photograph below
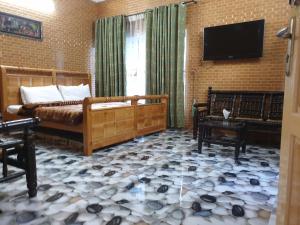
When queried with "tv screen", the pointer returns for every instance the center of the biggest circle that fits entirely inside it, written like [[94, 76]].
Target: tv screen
[[234, 41]]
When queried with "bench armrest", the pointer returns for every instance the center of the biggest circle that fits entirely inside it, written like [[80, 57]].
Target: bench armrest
[[199, 113], [202, 113], [197, 105], [199, 110]]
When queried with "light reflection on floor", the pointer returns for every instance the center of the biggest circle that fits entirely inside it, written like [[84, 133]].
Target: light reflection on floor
[[159, 179]]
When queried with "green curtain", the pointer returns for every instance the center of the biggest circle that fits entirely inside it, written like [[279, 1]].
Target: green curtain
[[110, 56], [165, 30]]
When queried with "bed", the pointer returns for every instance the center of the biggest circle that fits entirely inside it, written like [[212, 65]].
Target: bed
[[100, 126]]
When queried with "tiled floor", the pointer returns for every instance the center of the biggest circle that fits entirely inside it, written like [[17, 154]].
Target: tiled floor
[[158, 179]]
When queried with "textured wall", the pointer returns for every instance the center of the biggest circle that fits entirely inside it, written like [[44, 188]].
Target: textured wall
[[68, 37], [67, 42], [266, 73]]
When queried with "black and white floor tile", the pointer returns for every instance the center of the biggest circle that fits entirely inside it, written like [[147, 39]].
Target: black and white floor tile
[[158, 179]]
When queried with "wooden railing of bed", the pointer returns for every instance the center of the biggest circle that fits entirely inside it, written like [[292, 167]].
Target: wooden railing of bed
[[101, 127], [114, 125]]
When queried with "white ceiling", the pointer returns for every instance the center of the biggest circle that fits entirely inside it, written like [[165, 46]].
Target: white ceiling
[[97, 1]]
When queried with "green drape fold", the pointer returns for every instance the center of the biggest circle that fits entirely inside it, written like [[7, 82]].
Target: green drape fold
[[110, 56], [165, 31]]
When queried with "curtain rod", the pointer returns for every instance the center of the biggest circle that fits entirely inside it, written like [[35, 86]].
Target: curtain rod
[[184, 3], [189, 2], [135, 14]]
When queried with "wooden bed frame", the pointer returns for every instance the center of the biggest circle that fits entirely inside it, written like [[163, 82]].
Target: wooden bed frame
[[101, 127]]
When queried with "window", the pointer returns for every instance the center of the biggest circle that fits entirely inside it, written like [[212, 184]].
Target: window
[[135, 55]]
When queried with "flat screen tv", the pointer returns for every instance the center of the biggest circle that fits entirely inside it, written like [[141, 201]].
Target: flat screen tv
[[234, 41]]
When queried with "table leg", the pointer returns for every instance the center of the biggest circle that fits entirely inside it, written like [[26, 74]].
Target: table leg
[[244, 148], [244, 137], [195, 125], [200, 138], [236, 154], [4, 160], [209, 132], [30, 163]]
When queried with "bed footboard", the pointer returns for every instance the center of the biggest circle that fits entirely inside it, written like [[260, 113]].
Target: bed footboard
[[151, 118], [103, 127]]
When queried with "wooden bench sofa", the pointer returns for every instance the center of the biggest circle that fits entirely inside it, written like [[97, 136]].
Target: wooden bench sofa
[[100, 127], [261, 110]]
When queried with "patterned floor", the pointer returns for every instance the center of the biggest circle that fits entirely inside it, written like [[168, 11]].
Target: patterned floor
[[159, 179]]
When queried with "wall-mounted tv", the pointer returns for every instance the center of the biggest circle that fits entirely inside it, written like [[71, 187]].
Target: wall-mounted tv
[[234, 41]]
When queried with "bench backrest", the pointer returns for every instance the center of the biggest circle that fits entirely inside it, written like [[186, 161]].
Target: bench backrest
[[220, 102], [264, 105], [276, 106], [251, 105], [11, 78]]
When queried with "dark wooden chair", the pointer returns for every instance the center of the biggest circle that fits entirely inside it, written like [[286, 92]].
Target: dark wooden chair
[[260, 110], [25, 151]]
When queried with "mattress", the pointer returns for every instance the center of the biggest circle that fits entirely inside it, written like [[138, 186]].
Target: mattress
[[14, 109], [69, 113]]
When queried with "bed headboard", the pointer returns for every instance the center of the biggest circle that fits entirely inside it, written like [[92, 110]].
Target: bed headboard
[[11, 78], [72, 78]]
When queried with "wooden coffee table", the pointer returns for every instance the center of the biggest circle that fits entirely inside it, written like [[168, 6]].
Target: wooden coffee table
[[239, 140]]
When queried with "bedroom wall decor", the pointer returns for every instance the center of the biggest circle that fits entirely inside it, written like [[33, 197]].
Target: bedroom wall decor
[[67, 37], [20, 26]]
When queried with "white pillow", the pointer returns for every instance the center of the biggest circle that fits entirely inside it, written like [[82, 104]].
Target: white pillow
[[40, 94], [74, 93]]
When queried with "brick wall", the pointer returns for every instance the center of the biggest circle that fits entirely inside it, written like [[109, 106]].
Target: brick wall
[[266, 73], [67, 42], [68, 38]]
